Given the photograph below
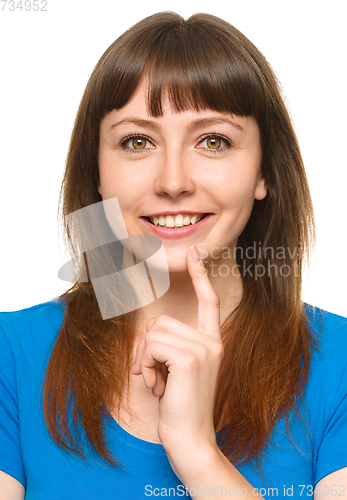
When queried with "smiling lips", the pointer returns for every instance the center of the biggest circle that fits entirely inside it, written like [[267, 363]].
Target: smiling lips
[[170, 228], [178, 221]]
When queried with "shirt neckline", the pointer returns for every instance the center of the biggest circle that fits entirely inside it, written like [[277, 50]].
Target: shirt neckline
[[135, 442]]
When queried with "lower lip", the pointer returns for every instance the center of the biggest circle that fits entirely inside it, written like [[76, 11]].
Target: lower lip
[[176, 232]]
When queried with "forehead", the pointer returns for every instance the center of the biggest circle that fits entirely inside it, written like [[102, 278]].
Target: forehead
[[138, 107]]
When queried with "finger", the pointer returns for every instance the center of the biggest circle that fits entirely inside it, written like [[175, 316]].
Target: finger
[[149, 366], [141, 348], [171, 331], [159, 388], [167, 324], [150, 323], [156, 352], [208, 300], [192, 344], [149, 374]]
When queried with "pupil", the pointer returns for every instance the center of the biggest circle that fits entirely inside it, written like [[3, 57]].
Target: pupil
[[138, 143]]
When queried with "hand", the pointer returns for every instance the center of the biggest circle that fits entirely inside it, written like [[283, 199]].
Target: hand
[[181, 365]]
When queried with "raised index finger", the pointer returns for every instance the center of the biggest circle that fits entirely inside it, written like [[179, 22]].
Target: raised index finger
[[209, 302]]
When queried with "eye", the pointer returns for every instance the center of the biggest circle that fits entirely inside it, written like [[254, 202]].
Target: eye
[[215, 143], [135, 143]]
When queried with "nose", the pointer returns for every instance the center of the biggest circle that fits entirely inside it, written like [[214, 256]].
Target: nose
[[174, 176]]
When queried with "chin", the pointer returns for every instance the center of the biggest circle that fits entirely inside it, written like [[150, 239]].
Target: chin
[[177, 264]]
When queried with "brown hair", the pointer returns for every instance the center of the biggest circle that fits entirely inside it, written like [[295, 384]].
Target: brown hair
[[204, 63]]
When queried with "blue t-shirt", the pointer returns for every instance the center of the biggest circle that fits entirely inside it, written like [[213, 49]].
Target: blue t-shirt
[[29, 454]]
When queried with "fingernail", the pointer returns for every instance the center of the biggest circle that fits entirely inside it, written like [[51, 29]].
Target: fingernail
[[195, 253]]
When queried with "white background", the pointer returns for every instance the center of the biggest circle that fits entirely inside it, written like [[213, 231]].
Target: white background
[[46, 59]]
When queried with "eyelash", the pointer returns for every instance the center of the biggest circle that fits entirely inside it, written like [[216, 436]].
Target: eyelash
[[209, 136]]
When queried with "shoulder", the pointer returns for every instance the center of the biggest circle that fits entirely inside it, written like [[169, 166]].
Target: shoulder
[[326, 394], [318, 317], [32, 328], [327, 383], [26, 339], [329, 330]]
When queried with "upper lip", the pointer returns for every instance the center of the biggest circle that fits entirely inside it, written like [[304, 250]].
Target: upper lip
[[176, 212]]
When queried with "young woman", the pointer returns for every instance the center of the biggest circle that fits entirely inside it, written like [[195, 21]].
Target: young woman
[[226, 384]]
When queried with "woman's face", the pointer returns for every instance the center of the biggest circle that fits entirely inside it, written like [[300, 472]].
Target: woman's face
[[189, 162]]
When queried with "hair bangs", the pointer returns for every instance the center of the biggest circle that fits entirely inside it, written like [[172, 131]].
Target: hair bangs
[[197, 68], [220, 80]]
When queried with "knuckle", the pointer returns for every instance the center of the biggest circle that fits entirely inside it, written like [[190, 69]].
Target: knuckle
[[220, 353], [150, 337], [161, 320], [203, 352], [190, 361], [216, 347]]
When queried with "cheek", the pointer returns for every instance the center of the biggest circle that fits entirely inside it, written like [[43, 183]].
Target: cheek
[[120, 178], [115, 183], [237, 189], [236, 196], [111, 179], [239, 204], [239, 174]]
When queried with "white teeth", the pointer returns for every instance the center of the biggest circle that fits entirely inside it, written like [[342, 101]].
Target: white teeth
[[179, 221], [161, 221], [166, 221]]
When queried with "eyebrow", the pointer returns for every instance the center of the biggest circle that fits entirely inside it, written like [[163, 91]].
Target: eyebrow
[[202, 122]]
